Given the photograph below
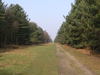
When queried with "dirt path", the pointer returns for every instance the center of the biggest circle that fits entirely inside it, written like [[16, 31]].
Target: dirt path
[[69, 65]]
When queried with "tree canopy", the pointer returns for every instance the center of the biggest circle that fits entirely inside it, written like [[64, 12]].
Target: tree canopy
[[81, 28], [16, 28]]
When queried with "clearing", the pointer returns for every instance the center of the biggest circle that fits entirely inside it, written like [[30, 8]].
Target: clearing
[[48, 59]]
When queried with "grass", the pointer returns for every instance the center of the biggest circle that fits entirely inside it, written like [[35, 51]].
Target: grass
[[33, 60], [92, 62]]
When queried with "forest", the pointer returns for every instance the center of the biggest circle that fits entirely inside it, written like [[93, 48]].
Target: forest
[[81, 28], [27, 49], [17, 29]]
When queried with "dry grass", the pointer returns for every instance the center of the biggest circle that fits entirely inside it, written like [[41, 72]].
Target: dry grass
[[83, 55]]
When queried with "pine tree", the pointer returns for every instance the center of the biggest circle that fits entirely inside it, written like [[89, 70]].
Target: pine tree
[[2, 24], [18, 22], [81, 28]]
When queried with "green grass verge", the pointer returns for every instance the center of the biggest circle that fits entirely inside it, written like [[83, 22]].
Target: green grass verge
[[34, 60]]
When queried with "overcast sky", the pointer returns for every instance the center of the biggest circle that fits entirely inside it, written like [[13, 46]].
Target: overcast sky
[[48, 14]]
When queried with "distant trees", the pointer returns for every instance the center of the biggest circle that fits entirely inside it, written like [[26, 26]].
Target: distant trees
[[15, 27], [46, 37], [38, 35], [82, 26]]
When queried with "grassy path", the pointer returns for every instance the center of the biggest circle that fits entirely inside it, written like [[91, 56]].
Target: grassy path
[[38, 60], [48, 59], [68, 64], [90, 61]]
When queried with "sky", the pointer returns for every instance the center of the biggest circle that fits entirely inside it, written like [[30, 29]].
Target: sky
[[48, 14]]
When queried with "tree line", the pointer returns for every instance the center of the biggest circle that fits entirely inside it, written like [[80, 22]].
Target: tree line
[[16, 28], [81, 28]]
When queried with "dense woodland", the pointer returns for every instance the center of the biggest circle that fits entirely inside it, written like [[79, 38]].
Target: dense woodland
[[16, 28], [81, 28]]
